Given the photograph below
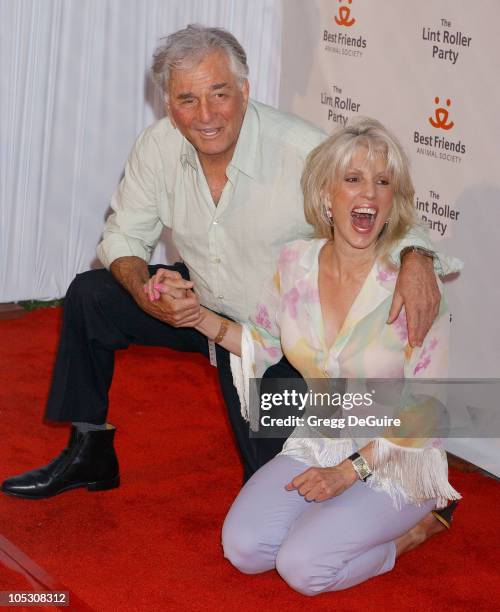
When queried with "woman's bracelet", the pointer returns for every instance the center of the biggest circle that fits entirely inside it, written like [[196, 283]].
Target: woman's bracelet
[[222, 331]]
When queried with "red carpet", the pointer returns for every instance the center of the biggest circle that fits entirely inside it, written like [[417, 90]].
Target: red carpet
[[153, 544]]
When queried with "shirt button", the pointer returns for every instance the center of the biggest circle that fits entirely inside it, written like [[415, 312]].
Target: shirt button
[[215, 223], [216, 260], [220, 297]]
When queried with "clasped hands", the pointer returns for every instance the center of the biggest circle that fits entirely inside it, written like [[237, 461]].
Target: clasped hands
[[179, 304]]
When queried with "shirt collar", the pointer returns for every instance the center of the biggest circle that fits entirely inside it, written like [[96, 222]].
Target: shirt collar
[[245, 153], [188, 154]]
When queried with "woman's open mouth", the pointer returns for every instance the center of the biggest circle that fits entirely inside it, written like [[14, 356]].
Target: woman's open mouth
[[363, 218]]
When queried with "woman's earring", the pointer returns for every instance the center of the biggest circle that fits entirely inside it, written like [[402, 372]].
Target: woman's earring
[[384, 228], [327, 215]]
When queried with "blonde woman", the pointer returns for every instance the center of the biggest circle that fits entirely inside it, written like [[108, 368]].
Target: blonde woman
[[328, 513]]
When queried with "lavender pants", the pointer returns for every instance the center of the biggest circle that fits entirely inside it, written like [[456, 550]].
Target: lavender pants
[[315, 547]]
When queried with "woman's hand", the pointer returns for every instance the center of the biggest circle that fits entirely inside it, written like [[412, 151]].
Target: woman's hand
[[318, 484], [167, 282]]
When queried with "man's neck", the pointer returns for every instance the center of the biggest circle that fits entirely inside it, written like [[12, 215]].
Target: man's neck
[[214, 168], [216, 165]]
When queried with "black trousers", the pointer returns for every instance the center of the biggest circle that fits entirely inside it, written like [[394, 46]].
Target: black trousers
[[101, 317]]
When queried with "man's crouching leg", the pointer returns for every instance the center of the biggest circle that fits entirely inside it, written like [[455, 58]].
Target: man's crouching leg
[[99, 318], [81, 379]]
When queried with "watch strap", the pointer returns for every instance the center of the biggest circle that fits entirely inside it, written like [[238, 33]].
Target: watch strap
[[416, 249]]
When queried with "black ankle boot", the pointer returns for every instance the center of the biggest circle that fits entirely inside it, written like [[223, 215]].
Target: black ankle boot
[[88, 461]]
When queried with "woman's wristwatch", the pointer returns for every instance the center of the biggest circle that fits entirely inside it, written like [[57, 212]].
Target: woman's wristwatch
[[360, 465]]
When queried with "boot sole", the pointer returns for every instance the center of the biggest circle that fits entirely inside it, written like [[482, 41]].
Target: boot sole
[[101, 485], [104, 485]]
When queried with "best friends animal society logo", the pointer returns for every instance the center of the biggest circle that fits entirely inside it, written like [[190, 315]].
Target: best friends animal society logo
[[344, 16], [438, 144], [340, 41], [441, 116]]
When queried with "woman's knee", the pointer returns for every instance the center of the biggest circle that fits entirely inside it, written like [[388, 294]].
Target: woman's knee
[[243, 548], [303, 572]]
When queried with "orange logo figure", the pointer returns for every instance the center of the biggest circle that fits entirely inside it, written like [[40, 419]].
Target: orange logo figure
[[344, 14], [441, 116]]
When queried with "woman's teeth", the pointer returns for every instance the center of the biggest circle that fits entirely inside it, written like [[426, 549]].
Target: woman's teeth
[[365, 211], [364, 217]]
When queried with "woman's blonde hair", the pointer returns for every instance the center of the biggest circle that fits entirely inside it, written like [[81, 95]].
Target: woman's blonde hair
[[327, 164]]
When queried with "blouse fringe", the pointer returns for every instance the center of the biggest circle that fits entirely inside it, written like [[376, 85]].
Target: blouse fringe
[[419, 473], [242, 371], [312, 451]]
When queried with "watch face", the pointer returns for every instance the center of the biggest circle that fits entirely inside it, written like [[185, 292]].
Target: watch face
[[364, 473], [361, 467]]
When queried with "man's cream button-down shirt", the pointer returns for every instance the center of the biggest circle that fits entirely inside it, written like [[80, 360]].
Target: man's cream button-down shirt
[[230, 249]]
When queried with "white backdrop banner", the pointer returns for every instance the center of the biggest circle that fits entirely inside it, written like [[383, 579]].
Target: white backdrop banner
[[429, 72], [74, 94]]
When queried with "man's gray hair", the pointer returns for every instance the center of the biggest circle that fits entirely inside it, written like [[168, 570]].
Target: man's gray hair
[[186, 48]]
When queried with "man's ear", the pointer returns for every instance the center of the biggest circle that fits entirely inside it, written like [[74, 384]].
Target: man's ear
[[245, 90], [166, 106]]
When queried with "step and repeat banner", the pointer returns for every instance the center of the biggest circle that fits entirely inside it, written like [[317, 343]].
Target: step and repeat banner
[[430, 72]]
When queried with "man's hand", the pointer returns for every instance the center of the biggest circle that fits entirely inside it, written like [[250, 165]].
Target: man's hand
[[319, 484], [132, 273], [181, 312], [417, 289], [174, 295]]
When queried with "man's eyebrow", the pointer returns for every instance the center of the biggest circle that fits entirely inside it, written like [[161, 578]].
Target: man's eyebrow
[[189, 94]]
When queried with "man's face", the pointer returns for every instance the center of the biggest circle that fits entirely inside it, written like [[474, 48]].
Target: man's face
[[207, 105]]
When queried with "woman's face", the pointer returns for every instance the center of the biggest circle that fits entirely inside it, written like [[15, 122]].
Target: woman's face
[[361, 201]]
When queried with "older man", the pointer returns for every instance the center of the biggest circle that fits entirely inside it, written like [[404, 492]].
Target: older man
[[223, 172]]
